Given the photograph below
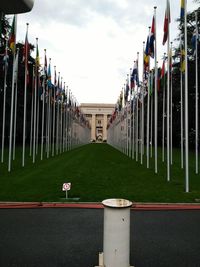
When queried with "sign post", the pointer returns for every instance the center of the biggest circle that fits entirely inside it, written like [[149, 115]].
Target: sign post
[[66, 187]]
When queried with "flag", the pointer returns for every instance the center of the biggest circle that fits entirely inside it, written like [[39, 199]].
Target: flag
[[45, 64], [167, 20], [13, 35], [134, 75], [151, 82], [182, 68], [55, 77], [152, 39], [182, 14], [126, 92], [37, 58], [163, 73], [26, 53], [195, 37], [16, 67], [159, 79], [58, 91], [146, 56], [49, 75], [5, 58]]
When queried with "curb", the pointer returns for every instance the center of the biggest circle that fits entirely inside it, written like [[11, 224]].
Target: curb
[[98, 205]]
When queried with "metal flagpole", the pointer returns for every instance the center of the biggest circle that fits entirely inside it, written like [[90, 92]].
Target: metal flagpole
[[156, 100], [46, 118], [15, 110], [130, 116], [15, 62], [42, 132], [171, 114], [148, 104], [181, 88], [168, 105], [25, 93], [38, 113], [137, 110], [57, 128], [151, 130], [196, 97], [61, 118], [163, 119], [54, 112], [66, 114], [31, 130], [34, 115], [35, 107], [127, 120], [43, 101], [142, 128], [48, 121], [48, 109], [133, 121], [4, 100], [186, 105], [63, 140]]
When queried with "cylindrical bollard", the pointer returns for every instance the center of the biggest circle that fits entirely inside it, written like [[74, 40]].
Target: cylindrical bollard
[[116, 237]]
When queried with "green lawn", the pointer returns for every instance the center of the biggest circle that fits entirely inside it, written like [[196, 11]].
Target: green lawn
[[97, 172]]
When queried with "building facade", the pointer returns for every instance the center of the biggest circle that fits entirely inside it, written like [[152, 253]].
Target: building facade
[[98, 116]]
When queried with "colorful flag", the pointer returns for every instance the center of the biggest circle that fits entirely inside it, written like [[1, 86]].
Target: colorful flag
[[146, 56], [37, 59], [152, 39], [49, 75], [166, 23], [58, 91], [12, 37], [182, 14], [182, 68], [45, 64]]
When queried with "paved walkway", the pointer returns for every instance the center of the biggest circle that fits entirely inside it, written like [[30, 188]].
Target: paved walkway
[[34, 236]]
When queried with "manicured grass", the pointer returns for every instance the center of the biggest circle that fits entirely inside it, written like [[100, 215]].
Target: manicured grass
[[97, 172]]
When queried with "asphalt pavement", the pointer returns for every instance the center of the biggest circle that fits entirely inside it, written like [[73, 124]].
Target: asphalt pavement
[[73, 237]]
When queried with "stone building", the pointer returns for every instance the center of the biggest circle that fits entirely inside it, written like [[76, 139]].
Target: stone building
[[98, 116]]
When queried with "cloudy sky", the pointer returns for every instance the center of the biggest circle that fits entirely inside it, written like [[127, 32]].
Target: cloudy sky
[[93, 43]]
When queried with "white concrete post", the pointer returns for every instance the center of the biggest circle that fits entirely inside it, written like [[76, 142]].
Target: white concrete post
[[116, 239]]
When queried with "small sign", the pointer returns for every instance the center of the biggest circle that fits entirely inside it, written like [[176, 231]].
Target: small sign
[[66, 186]]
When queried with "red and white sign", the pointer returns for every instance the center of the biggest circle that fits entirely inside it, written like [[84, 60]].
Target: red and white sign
[[66, 186]]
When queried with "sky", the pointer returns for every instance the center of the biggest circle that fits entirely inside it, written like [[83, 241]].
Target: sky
[[93, 43]]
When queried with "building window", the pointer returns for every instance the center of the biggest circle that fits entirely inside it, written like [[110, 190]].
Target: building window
[[99, 121]]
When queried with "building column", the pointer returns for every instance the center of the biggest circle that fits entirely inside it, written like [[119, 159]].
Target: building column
[[93, 127], [105, 122]]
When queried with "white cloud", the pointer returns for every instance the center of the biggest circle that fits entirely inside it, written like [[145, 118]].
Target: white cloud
[[93, 43]]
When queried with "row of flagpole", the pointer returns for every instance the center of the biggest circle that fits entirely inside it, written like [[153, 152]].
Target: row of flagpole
[[125, 120], [61, 123]]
